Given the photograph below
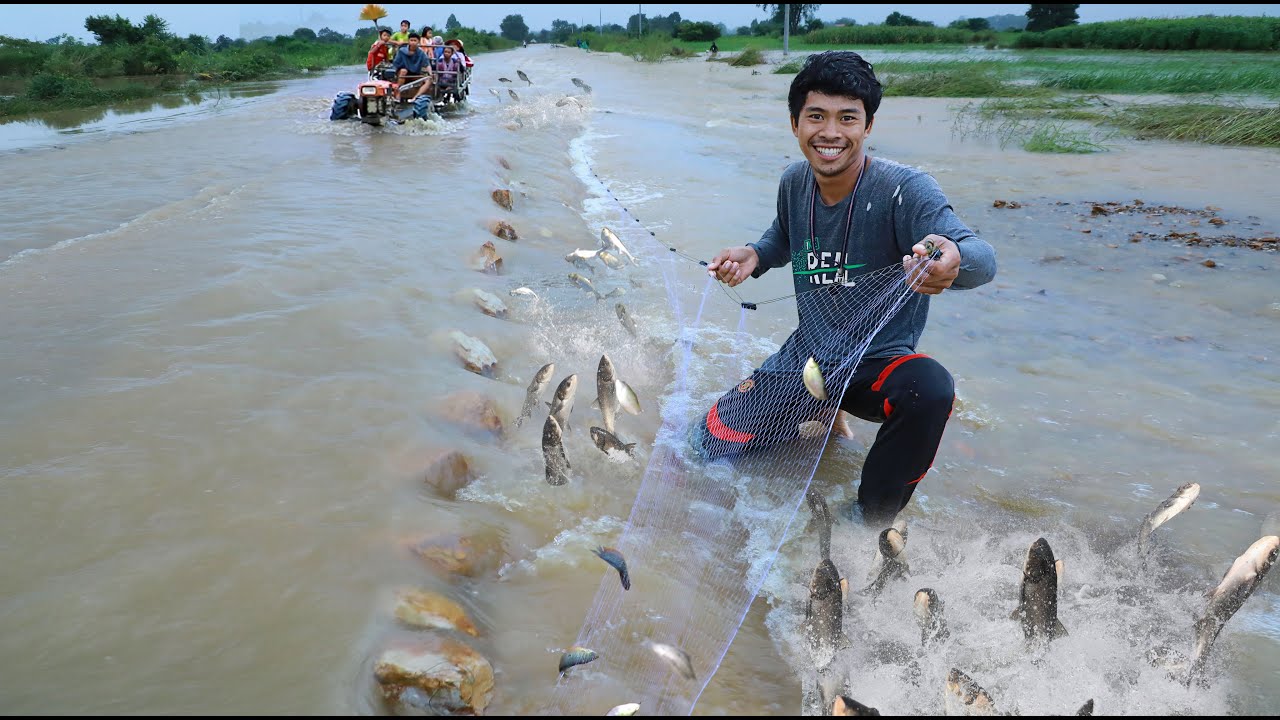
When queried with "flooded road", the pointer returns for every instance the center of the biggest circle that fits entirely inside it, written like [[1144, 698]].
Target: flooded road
[[226, 361]]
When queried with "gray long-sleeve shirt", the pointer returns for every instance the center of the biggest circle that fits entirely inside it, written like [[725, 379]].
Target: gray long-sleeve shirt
[[894, 207]]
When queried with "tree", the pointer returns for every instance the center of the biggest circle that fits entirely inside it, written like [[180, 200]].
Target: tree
[[562, 30], [222, 43], [704, 31], [110, 31], [897, 19], [305, 34], [513, 28], [1048, 17], [328, 35], [451, 25], [155, 26], [974, 24], [800, 14]]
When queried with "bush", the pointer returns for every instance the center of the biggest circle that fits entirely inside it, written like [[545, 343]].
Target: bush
[[1200, 33]]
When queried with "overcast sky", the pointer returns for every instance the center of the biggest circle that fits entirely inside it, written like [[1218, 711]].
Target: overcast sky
[[40, 22]]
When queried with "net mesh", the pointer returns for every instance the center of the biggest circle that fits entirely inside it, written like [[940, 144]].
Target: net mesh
[[726, 476]]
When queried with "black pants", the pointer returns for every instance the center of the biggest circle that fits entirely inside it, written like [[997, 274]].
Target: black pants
[[911, 396]]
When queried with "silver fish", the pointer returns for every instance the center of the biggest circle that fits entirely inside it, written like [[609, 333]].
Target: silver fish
[[894, 565], [562, 404], [822, 516], [609, 241], [553, 453], [505, 80], [628, 398], [1086, 708], [568, 100], [577, 655], [1038, 596], [496, 94], [848, 707], [585, 284], [966, 697], [617, 562], [607, 391], [678, 659], [540, 381], [625, 710], [928, 610], [607, 442], [576, 81], [1181, 499], [824, 616], [610, 260], [625, 318], [582, 258], [813, 381], [524, 292], [513, 94], [1239, 582], [524, 77]]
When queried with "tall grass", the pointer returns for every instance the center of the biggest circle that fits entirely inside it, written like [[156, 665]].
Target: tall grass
[[1213, 124], [1206, 32], [898, 35]]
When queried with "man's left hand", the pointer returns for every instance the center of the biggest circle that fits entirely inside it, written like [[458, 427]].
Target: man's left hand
[[942, 272]]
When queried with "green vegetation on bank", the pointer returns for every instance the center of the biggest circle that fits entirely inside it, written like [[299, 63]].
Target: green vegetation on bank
[[1030, 122], [1206, 32]]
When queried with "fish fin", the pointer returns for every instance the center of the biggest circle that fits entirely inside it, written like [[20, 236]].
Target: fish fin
[[1058, 629], [630, 448], [548, 406], [595, 404], [843, 642]]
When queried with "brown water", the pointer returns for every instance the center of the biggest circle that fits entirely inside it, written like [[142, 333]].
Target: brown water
[[225, 341]]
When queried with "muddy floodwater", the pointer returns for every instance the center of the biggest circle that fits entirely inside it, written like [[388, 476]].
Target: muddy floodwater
[[226, 363]]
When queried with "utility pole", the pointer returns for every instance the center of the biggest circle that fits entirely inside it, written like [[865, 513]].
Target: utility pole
[[639, 21], [786, 29], [600, 24]]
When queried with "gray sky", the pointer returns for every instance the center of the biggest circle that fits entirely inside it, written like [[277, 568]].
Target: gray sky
[[40, 22]]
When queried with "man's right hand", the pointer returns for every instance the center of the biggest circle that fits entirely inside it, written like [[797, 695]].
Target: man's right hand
[[733, 265]]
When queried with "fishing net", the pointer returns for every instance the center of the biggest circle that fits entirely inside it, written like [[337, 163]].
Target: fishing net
[[726, 476]]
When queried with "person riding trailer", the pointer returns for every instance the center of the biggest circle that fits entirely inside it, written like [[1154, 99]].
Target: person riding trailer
[[449, 70]]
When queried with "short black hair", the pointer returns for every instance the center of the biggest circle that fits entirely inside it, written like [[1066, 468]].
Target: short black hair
[[384, 30], [426, 28], [835, 72], [406, 22], [414, 36]]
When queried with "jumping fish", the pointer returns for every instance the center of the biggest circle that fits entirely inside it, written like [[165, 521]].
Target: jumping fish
[[845, 706], [824, 616], [524, 77], [562, 404], [608, 442], [628, 399], [1239, 582], [928, 610], [513, 94], [1181, 499], [966, 697], [607, 391], [617, 562], [625, 710], [553, 453], [540, 381], [609, 241], [1038, 596], [625, 318], [582, 258], [577, 655], [894, 565], [585, 284], [678, 659]]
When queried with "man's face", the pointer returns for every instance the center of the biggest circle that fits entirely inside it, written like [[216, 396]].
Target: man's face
[[831, 130], [404, 27], [413, 44]]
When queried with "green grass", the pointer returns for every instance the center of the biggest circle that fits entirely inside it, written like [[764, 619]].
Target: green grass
[[1056, 137], [1213, 124]]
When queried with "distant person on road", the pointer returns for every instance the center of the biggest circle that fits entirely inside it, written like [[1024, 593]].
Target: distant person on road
[[714, 49]]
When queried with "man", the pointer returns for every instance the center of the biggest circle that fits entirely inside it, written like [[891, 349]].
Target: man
[[901, 217], [410, 64], [379, 51]]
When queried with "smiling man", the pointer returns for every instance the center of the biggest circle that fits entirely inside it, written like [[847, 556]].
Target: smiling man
[[841, 216]]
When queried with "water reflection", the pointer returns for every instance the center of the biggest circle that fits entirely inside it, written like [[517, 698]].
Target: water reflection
[[31, 132]]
